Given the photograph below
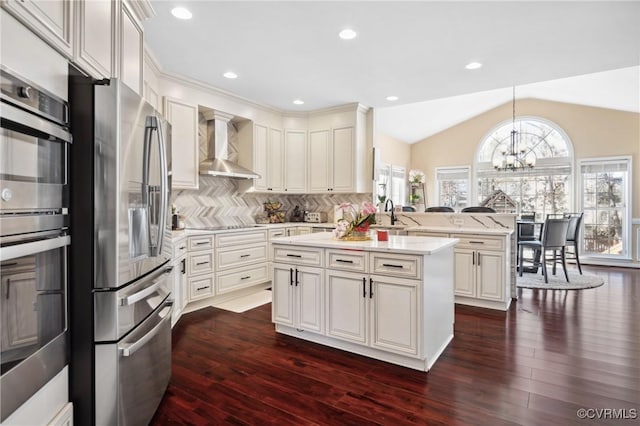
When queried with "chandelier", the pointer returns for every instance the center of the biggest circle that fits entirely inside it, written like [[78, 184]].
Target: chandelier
[[515, 156]]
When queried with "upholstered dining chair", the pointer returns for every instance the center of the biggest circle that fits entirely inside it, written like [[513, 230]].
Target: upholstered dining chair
[[573, 232], [477, 209], [441, 209], [554, 237]]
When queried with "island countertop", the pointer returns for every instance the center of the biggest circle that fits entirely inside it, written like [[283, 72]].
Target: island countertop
[[396, 243]]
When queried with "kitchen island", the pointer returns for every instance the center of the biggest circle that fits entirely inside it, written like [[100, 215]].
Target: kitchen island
[[390, 300]]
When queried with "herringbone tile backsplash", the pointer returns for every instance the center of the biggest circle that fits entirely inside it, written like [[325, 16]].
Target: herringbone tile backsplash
[[218, 202]]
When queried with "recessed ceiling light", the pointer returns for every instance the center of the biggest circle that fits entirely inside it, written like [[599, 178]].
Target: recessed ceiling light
[[473, 65], [230, 74], [181, 13], [392, 98], [347, 34], [298, 102]]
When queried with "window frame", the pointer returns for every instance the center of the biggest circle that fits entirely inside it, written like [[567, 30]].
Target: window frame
[[627, 233], [452, 169]]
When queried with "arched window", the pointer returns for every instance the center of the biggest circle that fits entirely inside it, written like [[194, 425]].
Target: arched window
[[545, 188]]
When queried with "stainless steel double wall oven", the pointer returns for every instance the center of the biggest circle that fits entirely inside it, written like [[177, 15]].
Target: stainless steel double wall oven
[[34, 239]]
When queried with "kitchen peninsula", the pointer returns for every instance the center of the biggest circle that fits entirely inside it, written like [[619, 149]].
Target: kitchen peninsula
[[390, 300]]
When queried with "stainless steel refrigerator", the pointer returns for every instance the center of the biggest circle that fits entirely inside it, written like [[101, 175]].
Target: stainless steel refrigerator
[[120, 309]]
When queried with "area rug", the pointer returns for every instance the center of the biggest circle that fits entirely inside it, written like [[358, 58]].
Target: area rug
[[245, 303], [557, 282]]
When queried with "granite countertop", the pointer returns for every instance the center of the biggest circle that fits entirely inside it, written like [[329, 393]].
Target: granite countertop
[[396, 244]]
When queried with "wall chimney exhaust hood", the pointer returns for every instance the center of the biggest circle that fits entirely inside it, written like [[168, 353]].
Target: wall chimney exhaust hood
[[217, 162]]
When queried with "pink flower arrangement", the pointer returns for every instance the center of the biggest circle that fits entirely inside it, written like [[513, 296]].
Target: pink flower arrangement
[[355, 218]]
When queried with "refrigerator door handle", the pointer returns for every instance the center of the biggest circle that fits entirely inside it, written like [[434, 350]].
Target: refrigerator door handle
[[138, 296], [152, 124], [164, 186], [129, 349]]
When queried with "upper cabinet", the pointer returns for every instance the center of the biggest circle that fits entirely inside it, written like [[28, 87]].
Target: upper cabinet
[[295, 160], [95, 45], [183, 117], [131, 49], [49, 19], [263, 152], [331, 160], [104, 38]]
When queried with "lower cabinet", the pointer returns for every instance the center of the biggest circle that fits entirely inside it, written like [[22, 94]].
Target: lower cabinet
[[378, 311], [298, 297], [180, 290]]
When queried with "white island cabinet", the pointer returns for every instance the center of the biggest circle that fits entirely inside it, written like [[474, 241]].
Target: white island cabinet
[[390, 300]]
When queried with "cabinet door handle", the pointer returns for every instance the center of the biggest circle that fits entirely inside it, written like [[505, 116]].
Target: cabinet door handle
[[370, 288], [183, 266], [473, 258], [245, 278], [478, 259], [244, 255], [364, 287], [391, 265], [290, 276], [8, 293], [202, 263], [294, 255], [297, 277], [202, 288], [344, 260], [202, 243], [476, 242]]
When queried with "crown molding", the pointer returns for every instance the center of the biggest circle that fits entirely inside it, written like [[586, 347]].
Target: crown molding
[[199, 85], [142, 9]]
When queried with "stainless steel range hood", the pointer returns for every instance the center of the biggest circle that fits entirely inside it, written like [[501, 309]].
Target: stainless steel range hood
[[217, 162]]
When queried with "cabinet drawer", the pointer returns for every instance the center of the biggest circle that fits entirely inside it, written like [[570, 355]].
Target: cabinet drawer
[[241, 277], [200, 287], [277, 233], [232, 257], [200, 263], [396, 265], [241, 238], [180, 248], [480, 242], [347, 260], [298, 256], [202, 242], [428, 234]]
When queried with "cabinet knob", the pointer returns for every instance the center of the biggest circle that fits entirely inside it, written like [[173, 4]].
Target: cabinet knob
[[24, 92]]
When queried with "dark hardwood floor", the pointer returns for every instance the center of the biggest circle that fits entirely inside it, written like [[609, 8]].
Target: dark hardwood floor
[[551, 354]]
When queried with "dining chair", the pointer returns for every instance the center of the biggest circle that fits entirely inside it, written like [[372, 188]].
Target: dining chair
[[573, 232], [554, 237], [441, 209], [477, 209]]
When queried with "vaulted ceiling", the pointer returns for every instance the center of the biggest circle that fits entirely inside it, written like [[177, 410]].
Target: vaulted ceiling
[[417, 51]]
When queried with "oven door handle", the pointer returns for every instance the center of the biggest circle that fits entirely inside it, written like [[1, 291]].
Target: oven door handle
[[129, 349], [32, 125], [27, 249]]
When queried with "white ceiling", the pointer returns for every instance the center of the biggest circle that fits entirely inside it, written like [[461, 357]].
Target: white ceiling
[[415, 50]]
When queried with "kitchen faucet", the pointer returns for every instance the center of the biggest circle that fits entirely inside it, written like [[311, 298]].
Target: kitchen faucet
[[393, 216]]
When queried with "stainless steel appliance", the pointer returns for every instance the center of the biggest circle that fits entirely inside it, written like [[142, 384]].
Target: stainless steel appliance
[[120, 301], [34, 146]]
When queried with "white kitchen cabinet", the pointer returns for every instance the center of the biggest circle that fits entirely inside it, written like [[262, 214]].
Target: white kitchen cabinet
[[95, 42], [347, 306], [332, 160], [180, 290], [131, 49], [394, 314], [241, 260], [298, 295], [51, 20], [295, 161], [373, 310], [200, 267], [183, 117], [268, 158], [490, 275]]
